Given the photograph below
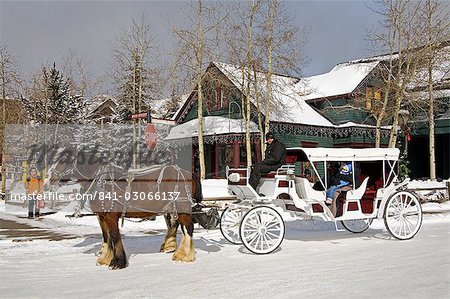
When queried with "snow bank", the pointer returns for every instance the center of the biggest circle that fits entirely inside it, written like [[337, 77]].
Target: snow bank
[[417, 184]]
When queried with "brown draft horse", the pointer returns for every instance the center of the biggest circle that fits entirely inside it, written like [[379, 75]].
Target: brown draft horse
[[162, 179]]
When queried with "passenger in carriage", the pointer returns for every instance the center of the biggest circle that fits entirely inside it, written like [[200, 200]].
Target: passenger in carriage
[[275, 156], [339, 177]]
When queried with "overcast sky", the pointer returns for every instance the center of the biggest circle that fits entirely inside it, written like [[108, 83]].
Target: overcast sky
[[43, 31]]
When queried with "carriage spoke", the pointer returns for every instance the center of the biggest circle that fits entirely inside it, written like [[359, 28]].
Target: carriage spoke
[[409, 204], [407, 220], [272, 225], [252, 225], [272, 234], [409, 226], [252, 236], [268, 238], [412, 213], [261, 242]]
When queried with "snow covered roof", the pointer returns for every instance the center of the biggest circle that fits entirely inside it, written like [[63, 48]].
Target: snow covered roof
[[437, 94], [159, 107], [342, 79], [212, 125], [98, 101], [348, 154], [184, 98], [288, 102]]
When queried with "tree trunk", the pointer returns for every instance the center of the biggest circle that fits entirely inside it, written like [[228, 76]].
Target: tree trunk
[[258, 108], [386, 93], [139, 69], [248, 104], [201, 150], [3, 127], [133, 97], [430, 53], [431, 129], [269, 74]]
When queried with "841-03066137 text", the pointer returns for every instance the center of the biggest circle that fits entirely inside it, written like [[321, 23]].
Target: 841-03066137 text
[[137, 195]]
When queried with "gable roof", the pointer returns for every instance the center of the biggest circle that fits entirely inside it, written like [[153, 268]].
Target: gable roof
[[342, 79], [287, 104], [98, 101], [291, 94]]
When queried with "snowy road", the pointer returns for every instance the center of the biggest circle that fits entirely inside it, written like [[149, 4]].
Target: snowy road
[[310, 263]]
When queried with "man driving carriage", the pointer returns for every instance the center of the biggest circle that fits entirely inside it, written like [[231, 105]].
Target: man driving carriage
[[275, 156]]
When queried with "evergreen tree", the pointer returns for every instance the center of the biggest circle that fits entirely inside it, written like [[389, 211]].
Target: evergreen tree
[[50, 100]]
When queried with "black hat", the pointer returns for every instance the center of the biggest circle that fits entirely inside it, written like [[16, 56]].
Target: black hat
[[269, 135]]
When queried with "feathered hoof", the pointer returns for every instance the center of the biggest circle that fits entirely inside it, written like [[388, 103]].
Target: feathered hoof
[[101, 250], [168, 247], [183, 256], [117, 264], [101, 261]]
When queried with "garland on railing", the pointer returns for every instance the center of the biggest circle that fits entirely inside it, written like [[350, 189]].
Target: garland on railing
[[284, 128], [211, 139]]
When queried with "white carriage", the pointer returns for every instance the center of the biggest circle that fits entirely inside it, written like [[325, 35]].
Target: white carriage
[[375, 192]]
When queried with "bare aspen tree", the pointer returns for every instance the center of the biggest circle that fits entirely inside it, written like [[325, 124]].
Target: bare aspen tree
[[434, 17], [407, 41], [250, 63], [276, 46], [272, 9], [387, 39], [196, 44], [82, 81], [10, 84], [136, 70], [75, 69], [399, 37], [199, 56]]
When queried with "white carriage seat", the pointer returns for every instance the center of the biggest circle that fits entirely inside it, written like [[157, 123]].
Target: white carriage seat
[[306, 191], [358, 193]]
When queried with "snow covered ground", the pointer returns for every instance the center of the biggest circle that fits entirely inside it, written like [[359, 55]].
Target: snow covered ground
[[313, 261]]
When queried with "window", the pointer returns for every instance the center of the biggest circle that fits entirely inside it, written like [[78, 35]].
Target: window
[[216, 99], [219, 97], [373, 98]]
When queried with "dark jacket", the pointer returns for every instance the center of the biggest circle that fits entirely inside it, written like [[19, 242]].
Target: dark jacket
[[275, 153]]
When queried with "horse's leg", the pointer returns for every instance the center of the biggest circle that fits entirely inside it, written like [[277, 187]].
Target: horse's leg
[[170, 241], [186, 251], [119, 258], [105, 254]]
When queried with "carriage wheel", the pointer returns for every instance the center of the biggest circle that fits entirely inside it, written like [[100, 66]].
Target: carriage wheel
[[262, 230], [229, 225], [357, 226], [403, 215]]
